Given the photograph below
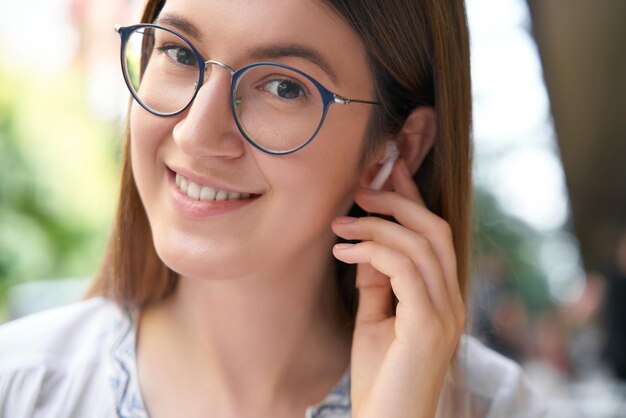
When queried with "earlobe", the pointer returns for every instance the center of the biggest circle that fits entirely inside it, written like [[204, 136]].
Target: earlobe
[[417, 136]]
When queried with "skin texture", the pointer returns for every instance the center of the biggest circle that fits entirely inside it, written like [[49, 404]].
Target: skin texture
[[400, 360], [255, 327]]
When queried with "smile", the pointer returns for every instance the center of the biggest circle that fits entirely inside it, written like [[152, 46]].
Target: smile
[[205, 193]]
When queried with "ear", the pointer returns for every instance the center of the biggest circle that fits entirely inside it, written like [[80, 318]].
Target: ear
[[417, 136], [415, 140]]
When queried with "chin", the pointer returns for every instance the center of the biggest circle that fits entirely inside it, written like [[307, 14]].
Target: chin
[[204, 260]]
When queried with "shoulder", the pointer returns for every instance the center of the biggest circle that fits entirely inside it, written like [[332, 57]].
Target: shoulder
[[497, 386], [56, 353], [63, 333]]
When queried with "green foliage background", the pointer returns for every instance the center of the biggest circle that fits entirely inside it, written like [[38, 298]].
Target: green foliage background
[[57, 178], [516, 244]]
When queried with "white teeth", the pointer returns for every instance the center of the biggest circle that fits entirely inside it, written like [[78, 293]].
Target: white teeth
[[184, 185], [221, 195], [205, 193], [194, 191]]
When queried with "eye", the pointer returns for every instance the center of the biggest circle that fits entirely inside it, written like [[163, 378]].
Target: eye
[[285, 89], [180, 55]]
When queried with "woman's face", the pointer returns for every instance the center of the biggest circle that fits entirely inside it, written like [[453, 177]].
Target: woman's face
[[293, 197]]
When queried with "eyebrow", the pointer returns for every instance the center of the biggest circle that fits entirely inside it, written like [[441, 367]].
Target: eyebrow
[[179, 23], [293, 50], [265, 52]]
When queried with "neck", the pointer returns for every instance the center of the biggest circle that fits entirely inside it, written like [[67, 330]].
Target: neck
[[254, 340]]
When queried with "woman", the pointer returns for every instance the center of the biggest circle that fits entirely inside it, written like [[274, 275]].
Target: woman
[[255, 128]]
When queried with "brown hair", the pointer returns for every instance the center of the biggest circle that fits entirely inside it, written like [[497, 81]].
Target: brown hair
[[418, 54]]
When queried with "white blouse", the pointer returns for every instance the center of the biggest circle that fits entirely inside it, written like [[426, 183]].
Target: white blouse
[[78, 361]]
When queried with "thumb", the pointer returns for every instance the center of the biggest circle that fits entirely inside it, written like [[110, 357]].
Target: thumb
[[375, 295]]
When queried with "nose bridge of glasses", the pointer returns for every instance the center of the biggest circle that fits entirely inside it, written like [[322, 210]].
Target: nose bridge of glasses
[[219, 64]]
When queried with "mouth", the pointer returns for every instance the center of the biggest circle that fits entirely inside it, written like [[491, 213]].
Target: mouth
[[202, 193]]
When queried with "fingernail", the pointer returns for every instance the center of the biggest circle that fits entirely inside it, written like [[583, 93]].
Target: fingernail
[[343, 246], [345, 220], [367, 190]]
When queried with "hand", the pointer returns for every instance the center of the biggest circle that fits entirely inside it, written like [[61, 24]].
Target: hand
[[400, 359]]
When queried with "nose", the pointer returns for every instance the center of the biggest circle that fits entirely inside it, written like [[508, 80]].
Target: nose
[[207, 127]]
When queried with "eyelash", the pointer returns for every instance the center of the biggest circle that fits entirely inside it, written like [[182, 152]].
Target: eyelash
[[167, 48]]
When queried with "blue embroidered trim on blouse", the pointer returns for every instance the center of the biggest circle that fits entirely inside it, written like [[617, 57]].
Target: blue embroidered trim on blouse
[[128, 402], [125, 386]]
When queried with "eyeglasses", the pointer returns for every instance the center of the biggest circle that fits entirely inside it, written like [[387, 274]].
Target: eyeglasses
[[278, 109]]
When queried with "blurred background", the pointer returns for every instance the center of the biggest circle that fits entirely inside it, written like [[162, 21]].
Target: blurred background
[[549, 80]]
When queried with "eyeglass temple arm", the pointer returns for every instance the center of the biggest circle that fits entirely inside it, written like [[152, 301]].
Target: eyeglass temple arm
[[346, 100]]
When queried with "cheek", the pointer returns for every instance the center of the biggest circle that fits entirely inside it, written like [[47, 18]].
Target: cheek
[[144, 131], [342, 145], [320, 180], [147, 134]]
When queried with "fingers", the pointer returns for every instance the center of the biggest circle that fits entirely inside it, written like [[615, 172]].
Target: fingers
[[406, 206], [421, 256], [397, 266], [421, 245], [375, 295]]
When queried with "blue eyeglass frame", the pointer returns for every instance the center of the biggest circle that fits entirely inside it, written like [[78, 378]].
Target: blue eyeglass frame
[[328, 97]]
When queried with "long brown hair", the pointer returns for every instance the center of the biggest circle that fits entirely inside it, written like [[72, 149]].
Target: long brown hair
[[418, 53]]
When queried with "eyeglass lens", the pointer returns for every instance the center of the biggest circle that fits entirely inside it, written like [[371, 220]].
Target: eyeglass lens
[[277, 108]]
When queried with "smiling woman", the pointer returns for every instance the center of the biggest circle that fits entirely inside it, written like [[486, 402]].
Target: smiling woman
[[251, 145]]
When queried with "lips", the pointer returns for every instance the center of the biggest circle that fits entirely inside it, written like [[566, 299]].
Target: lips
[[203, 189], [206, 193]]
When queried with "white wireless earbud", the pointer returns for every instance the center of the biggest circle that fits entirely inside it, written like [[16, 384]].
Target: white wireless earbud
[[391, 155]]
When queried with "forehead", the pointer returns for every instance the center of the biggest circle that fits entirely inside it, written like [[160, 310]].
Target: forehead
[[229, 29]]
